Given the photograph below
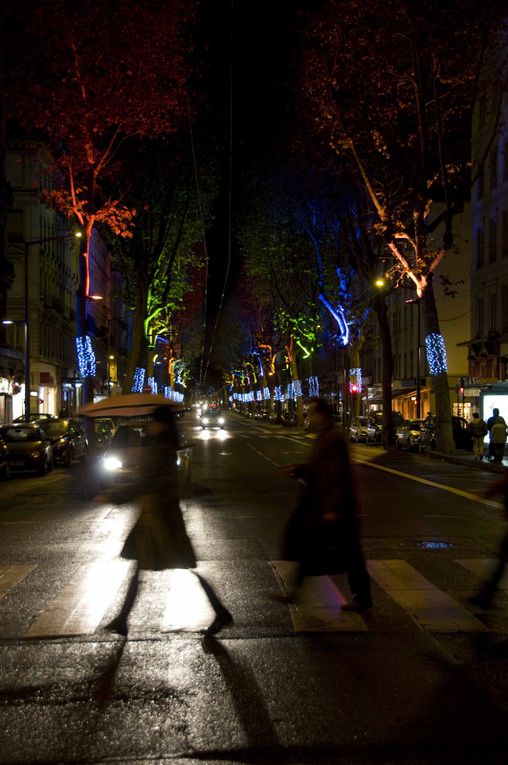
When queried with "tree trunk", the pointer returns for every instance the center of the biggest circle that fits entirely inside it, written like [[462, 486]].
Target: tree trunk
[[444, 435], [381, 312], [299, 402], [137, 352]]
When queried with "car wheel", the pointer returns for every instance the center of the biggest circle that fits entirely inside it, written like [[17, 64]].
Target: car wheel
[[44, 467], [397, 444], [69, 457]]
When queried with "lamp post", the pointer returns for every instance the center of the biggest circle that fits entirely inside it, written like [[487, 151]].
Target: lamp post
[[418, 347]]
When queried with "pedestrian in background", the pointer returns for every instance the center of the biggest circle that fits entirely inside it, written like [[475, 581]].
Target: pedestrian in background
[[486, 593], [159, 540], [497, 430], [323, 534], [478, 429]]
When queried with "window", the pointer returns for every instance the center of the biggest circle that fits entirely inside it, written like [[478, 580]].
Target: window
[[479, 247], [493, 169], [480, 317], [504, 308], [504, 234], [492, 240], [492, 310]]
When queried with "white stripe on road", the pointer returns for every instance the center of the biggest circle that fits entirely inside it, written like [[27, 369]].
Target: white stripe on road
[[12, 575], [317, 608], [483, 568], [82, 604], [430, 607]]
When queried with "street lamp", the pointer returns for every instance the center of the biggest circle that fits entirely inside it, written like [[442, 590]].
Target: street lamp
[[416, 301]]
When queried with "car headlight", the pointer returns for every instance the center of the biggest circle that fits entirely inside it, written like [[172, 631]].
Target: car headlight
[[221, 420], [205, 420], [35, 455], [111, 464]]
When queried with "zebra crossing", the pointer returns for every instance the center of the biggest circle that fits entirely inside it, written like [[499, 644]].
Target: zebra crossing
[[81, 605]]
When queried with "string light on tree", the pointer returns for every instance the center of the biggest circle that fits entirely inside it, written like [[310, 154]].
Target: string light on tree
[[86, 357], [314, 387], [138, 381], [436, 354]]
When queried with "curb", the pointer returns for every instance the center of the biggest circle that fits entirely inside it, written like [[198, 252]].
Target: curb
[[457, 459]]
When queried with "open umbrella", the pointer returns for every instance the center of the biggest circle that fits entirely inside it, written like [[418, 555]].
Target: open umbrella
[[128, 405]]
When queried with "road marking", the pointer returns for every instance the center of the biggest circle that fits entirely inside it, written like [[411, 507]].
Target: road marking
[[82, 604], [10, 576], [429, 606], [483, 568], [426, 482], [318, 605]]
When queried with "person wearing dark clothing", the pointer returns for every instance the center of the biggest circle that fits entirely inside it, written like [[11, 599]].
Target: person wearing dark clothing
[[159, 539], [497, 436], [323, 534], [478, 430], [486, 594]]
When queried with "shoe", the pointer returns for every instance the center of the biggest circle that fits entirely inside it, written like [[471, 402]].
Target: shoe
[[117, 626], [220, 621], [355, 605]]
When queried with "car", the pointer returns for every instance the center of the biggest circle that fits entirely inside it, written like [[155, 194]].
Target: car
[[212, 418], [36, 417], [28, 447], [375, 426], [358, 429], [119, 465], [462, 436], [104, 431], [67, 438], [407, 435], [4, 461]]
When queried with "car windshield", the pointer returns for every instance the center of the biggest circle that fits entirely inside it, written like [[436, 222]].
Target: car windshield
[[56, 428], [13, 435], [414, 425]]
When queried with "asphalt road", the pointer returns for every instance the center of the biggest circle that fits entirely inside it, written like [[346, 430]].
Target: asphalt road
[[420, 679]]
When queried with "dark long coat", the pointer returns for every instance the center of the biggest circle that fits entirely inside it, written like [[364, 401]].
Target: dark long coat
[[322, 533], [159, 539]]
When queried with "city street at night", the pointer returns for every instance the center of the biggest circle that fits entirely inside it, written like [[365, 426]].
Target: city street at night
[[421, 677]]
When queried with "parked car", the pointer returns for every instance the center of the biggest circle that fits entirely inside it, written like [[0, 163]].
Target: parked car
[[212, 418], [28, 448], [36, 417], [67, 438], [120, 463], [375, 426], [462, 436], [358, 429], [4, 461], [407, 435]]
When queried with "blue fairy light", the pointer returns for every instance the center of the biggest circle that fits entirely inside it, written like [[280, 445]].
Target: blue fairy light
[[436, 353], [138, 381], [86, 357]]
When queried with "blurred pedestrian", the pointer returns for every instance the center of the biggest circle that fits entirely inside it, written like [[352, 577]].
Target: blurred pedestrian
[[497, 436], [323, 535], [159, 539], [486, 593], [478, 429]]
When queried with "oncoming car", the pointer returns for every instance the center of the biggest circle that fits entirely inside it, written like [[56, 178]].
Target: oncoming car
[[121, 461], [212, 418]]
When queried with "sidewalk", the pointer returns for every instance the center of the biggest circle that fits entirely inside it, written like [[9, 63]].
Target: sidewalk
[[461, 457]]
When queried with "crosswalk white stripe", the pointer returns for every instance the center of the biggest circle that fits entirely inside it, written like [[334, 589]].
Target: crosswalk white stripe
[[430, 607], [12, 575], [483, 568], [82, 604], [318, 605]]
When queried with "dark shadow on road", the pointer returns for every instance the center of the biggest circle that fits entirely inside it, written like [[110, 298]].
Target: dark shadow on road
[[247, 697]]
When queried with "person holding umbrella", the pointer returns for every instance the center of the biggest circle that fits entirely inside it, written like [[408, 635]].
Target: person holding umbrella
[[159, 540]]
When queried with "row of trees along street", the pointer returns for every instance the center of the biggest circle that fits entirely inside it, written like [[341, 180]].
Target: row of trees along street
[[382, 118]]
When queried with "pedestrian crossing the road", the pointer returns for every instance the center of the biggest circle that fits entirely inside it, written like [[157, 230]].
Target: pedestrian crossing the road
[[80, 607]]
